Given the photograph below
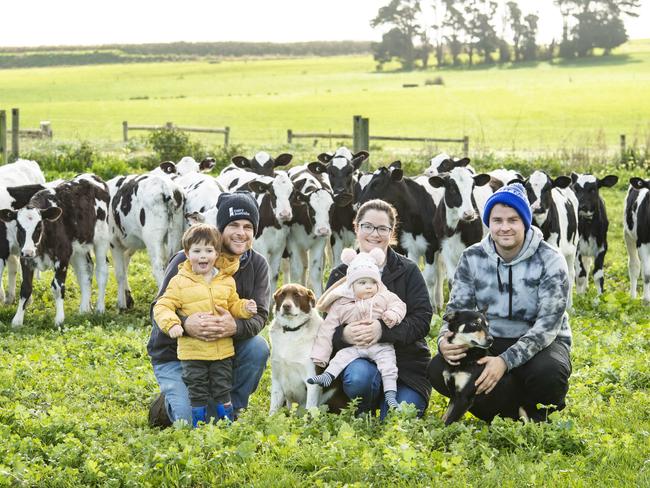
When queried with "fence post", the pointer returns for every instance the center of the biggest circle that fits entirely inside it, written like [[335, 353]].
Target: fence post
[[15, 133], [623, 149], [226, 137], [3, 137], [289, 136], [46, 129], [360, 133], [465, 146], [125, 131]]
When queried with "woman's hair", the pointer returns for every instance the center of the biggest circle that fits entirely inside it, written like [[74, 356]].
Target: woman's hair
[[199, 233], [380, 206]]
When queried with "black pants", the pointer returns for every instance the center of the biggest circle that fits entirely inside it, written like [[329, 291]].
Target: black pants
[[544, 379], [208, 379]]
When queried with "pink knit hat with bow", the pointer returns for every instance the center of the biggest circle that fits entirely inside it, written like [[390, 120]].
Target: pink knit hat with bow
[[363, 264]]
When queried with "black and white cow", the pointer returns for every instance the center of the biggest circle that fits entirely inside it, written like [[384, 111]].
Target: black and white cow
[[262, 163], [62, 226], [444, 163], [310, 229], [592, 228], [21, 172], [415, 207], [201, 195], [457, 221], [555, 212], [146, 211], [637, 234], [341, 169], [276, 198]]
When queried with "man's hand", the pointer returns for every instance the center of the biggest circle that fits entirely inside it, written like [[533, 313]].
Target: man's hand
[[210, 327], [251, 307], [452, 353], [362, 332], [495, 368]]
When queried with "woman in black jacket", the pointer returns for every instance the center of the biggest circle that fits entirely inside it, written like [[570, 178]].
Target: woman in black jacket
[[374, 225]]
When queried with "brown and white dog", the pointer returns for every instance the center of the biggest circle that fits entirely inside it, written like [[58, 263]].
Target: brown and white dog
[[292, 335]]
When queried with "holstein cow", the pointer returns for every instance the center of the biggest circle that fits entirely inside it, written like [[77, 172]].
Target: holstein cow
[[201, 195], [146, 212], [592, 228], [457, 221], [22, 172], [58, 227], [275, 196], [637, 234], [186, 166], [416, 237], [309, 230], [555, 212], [261, 164], [341, 169]]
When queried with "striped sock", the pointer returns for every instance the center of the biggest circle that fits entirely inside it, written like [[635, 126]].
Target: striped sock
[[324, 379], [391, 399]]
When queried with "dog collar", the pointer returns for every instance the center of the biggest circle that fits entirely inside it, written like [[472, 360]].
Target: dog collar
[[293, 329]]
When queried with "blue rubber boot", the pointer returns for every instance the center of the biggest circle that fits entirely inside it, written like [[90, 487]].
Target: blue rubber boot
[[199, 415], [225, 412]]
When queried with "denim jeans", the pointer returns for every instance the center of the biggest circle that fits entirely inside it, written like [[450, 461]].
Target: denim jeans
[[361, 379], [249, 363]]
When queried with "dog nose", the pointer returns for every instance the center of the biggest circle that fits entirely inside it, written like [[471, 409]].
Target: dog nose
[[286, 307]]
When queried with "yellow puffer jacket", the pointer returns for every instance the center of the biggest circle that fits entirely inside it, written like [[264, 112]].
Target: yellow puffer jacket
[[188, 293]]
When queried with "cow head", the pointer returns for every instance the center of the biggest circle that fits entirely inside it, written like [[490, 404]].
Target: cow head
[[340, 168], [459, 199], [538, 189], [443, 163], [382, 182], [639, 184], [262, 163], [29, 226], [281, 191], [586, 188]]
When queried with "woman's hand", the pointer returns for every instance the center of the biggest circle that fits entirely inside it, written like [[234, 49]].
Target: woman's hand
[[362, 332], [452, 353]]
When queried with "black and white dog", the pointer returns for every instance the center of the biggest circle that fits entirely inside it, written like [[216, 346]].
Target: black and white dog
[[470, 328]]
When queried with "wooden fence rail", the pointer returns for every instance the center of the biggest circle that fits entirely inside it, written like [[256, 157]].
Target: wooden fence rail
[[169, 125]]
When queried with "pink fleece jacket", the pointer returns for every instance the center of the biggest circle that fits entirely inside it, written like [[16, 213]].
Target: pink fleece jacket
[[342, 307]]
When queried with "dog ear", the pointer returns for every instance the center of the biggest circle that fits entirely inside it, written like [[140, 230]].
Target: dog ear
[[449, 316], [312, 298], [278, 293]]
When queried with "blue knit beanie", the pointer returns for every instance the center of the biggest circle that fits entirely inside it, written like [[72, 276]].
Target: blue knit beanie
[[514, 196]]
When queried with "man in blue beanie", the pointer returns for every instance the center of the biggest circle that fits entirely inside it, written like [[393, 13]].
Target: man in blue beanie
[[237, 220], [522, 284]]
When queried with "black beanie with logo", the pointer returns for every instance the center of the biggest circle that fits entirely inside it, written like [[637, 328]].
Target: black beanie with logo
[[236, 206]]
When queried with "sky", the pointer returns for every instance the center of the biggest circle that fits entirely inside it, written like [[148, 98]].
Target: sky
[[88, 22]]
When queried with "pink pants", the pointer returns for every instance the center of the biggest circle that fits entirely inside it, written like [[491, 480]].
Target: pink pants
[[382, 354]]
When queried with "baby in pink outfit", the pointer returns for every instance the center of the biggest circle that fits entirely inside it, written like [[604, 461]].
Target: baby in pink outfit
[[360, 296]]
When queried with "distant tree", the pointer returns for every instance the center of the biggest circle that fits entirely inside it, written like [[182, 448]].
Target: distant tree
[[517, 26], [598, 23], [529, 44], [403, 16], [481, 32], [455, 27]]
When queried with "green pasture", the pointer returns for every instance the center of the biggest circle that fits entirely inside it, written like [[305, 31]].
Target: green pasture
[[73, 409], [534, 107]]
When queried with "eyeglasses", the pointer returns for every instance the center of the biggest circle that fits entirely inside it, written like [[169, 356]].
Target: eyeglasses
[[382, 230]]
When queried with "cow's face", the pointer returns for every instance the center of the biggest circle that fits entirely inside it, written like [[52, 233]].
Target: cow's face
[[459, 184], [29, 226], [468, 327], [586, 190], [320, 202], [281, 192], [341, 168], [538, 188]]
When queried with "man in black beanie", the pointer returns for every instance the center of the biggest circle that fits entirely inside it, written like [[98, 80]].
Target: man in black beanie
[[237, 220]]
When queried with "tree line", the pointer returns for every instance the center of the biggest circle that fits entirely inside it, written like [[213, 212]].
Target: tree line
[[488, 31]]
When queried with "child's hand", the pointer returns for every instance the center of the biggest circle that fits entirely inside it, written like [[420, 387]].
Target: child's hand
[[390, 317], [176, 331], [251, 306]]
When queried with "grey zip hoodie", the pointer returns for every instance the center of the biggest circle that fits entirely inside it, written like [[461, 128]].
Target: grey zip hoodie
[[525, 299]]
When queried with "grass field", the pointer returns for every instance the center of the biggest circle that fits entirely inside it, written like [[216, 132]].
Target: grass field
[[73, 411], [532, 107]]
